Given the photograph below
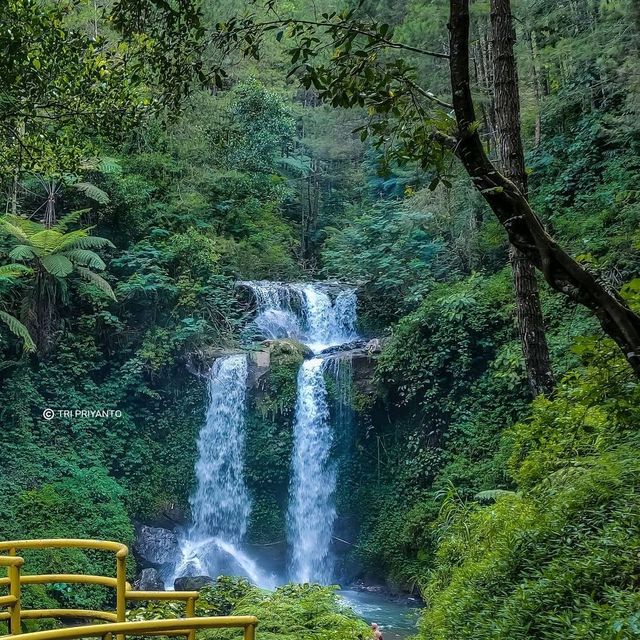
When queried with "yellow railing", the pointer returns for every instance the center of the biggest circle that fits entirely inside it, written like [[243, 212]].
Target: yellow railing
[[114, 621]]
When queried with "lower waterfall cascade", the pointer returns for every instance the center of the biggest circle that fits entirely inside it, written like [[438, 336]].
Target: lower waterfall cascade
[[320, 316]]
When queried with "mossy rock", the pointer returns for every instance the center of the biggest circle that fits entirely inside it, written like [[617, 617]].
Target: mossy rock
[[288, 351]]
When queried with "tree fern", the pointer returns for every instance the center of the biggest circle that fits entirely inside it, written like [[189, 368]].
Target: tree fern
[[57, 265], [86, 258], [16, 327], [97, 280], [93, 192], [23, 252], [11, 271], [68, 219]]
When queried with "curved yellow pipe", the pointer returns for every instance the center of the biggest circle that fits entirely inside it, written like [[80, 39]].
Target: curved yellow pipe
[[121, 550], [248, 623], [70, 578], [34, 614], [161, 595]]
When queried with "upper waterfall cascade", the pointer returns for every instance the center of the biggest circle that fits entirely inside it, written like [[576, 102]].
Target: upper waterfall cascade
[[320, 315]]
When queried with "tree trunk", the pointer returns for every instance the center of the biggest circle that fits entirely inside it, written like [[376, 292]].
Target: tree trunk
[[513, 211], [529, 310]]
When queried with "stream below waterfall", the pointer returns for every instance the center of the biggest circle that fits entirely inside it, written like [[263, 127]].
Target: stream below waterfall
[[397, 619]]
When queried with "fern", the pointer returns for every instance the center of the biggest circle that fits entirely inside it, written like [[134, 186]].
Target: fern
[[69, 219], [48, 240], [93, 192], [57, 265], [9, 271], [22, 252], [86, 258], [11, 229], [85, 242], [16, 327], [97, 280], [491, 495]]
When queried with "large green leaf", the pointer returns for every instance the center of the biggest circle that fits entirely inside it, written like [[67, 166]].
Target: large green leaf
[[86, 258], [97, 280], [85, 242], [48, 240], [93, 192], [23, 252], [16, 327], [57, 265]]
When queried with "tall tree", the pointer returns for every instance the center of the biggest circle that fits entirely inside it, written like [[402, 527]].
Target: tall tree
[[418, 125], [507, 108]]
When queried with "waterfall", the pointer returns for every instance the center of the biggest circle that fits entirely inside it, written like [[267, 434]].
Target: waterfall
[[311, 510], [321, 315], [220, 505]]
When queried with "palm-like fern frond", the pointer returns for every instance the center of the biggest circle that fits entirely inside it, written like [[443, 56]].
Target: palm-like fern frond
[[93, 192], [68, 219], [16, 327], [57, 265], [23, 252], [28, 226], [7, 226], [84, 242], [97, 280], [86, 258], [47, 240], [11, 271]]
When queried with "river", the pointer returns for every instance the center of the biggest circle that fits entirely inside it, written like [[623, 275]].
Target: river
[[397, 619]]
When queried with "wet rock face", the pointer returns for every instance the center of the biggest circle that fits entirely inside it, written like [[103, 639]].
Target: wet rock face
[[192, 583], [149, 580], [156, 546]]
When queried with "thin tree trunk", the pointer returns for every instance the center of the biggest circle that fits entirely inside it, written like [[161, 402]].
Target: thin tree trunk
[[529, 310], [513, 211]]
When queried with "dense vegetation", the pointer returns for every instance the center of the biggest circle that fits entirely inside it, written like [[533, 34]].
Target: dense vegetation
[[136, 202]]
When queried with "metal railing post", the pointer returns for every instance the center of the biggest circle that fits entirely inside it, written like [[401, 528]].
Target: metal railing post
[[14, 590], [121, 591], [190, 612], [250, 632]]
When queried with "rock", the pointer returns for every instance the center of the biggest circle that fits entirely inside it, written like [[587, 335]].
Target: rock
[[149, 580], [192, 583], [155, 545], [288, 347], [354, 345]]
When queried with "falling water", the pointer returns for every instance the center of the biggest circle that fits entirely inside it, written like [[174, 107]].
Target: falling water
[[311, 510], [306, 312], [220, 505], [320, 315]]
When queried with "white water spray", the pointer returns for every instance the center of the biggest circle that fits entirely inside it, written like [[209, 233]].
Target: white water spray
[[320, 315], [311, 510], [220, 505]]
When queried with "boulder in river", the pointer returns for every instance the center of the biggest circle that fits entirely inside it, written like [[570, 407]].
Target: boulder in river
[[155, 545], [149, 580], [192, 583]]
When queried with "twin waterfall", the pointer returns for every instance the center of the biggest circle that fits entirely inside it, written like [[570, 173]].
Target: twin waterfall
[[321, 316]]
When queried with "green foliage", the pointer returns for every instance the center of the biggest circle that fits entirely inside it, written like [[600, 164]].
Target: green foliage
[[303, 612], [557, 559]]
